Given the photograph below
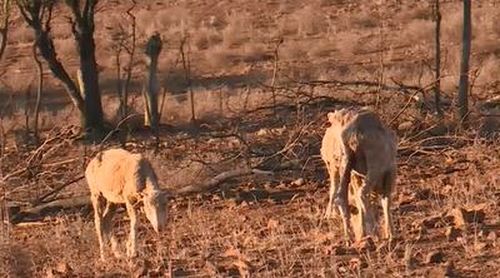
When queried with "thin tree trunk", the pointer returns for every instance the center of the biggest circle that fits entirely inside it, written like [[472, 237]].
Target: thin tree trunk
[[83, 32], [38, 15], [463, 89], [46, 47], [4, 29], [27, 110], [437, 84], [119, 87], [90, 78], [186, 65], [131, 52], [39, 67]]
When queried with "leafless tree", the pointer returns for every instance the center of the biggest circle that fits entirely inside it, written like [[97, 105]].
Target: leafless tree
[[39, 67], [82, 26], [186, 65], [463, 89], [437, 36], [124, 42], [130, 49], [38, 15]]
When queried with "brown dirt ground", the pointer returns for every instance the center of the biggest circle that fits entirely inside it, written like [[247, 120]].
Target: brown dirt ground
[[268, 226]]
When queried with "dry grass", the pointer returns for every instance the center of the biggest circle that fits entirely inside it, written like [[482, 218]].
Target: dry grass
[[274, 236], [269, 227], [309, 21]]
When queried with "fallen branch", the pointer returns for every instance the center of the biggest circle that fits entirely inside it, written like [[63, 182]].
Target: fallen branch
[[220, 178], [38, 211], [56, 190], [54, 206]]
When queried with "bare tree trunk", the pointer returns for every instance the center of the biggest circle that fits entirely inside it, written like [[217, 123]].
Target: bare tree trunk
[[4, 28], [186, 64], [38, 15], [153, 49], [46, 46], [437, 84], [83, 31], [131, 52], [119, 86], [39, 67], [90, 77], [463, 89], [275, 72], [27, 110]]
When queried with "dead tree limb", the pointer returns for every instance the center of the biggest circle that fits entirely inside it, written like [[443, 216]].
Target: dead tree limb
[[437, 37], [38, 15], [217, 180], [463, 88], [275, 69], [186, 64], [39, 68], [54, 206], [40, 210], [130, 49], [56, 190]]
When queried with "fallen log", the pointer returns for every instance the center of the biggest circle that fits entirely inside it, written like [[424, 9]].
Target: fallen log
[[34, 213], [56, 190], [37, 212], [217, 180]]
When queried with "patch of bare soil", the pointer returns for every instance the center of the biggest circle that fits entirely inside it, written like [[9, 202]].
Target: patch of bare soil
[[334, 54], [446, 209]]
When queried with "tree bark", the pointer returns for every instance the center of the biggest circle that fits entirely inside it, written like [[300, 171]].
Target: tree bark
[[4, 28], [131, 53], [463, 89], [437, 84], [90, 79], [38, 15], [47, 50], [83, 31], [39, 67]]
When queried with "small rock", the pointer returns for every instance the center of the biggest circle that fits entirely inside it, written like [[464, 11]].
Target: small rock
[[434, 257], [63, 268], [263, 132], [462, 217], [492, 236], [405, 126], [298, 182], [452, 233], [342, 269]]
